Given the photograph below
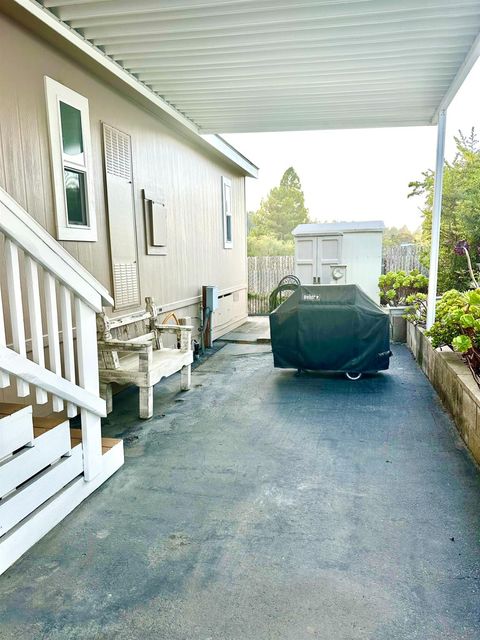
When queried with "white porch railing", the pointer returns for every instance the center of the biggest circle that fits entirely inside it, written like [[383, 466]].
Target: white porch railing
[[38, 268]]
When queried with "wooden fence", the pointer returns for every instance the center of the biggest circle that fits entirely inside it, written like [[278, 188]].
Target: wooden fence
[[404, 257], [265, 272]]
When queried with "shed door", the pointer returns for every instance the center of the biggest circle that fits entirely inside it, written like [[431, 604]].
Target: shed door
[[121, 217], [329, 252], [305, 255]]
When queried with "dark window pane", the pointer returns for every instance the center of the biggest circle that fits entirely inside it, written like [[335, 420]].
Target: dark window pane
[[228, 220], [75, 192], [71, 130]]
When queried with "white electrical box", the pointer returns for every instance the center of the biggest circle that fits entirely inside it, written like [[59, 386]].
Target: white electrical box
[[340, 253]]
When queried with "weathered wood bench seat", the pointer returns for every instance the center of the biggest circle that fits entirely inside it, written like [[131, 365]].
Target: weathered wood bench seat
[[139, 357]]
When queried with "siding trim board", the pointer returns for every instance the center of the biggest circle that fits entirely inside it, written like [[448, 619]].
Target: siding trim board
[[187, 302]]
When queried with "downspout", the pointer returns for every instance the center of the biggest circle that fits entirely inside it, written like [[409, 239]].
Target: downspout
[[436, 217]]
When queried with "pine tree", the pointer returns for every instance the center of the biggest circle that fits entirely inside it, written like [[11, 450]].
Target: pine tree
[[281, 211]]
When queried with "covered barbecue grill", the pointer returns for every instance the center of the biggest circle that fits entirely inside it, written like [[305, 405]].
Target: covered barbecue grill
[[330, 328]]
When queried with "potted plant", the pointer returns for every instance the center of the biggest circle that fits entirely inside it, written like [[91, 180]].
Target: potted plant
[[396, 291]]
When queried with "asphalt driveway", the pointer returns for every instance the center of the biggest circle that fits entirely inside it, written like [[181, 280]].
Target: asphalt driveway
[[262, 505]]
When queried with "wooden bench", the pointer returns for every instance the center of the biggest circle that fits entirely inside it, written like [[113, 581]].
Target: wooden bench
[[136, 354]]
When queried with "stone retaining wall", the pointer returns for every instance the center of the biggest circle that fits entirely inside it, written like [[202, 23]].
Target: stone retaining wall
[[453, 382]]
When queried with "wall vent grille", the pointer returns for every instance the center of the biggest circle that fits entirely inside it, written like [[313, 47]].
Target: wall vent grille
[[118, 156], [125, 283]]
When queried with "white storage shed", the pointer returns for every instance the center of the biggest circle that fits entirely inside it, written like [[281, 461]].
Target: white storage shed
[[340, 253]]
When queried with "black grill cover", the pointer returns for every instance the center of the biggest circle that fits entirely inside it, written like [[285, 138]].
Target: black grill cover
[[330, 328]]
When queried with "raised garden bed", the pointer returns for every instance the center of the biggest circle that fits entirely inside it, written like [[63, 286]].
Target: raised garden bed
[[453, 382]]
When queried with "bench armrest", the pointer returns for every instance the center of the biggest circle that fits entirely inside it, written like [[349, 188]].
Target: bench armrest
[[184, 332], [173, 327]]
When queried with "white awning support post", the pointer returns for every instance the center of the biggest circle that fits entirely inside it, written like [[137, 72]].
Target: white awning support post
[[436, 217]]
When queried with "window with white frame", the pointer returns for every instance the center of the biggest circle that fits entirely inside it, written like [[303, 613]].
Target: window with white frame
[[71, 155], [227, 213]]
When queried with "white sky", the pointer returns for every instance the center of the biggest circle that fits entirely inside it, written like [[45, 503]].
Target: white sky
[[357, 174]]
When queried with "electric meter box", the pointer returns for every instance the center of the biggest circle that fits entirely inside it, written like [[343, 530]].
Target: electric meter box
[[211, 298], [340, 253]]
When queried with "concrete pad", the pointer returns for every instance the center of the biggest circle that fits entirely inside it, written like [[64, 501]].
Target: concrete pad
[[262, 505], [235, 349], [255, 330]]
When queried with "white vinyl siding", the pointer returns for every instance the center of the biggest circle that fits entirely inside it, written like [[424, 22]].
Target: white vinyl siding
[[227, 213], [71, 158]]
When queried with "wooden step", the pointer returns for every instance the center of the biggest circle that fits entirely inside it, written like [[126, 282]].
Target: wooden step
[[16, 430], [42, 424], [28, 461], [31, 529], [107, 443], [7, 408], [39, 489], [49, 422]]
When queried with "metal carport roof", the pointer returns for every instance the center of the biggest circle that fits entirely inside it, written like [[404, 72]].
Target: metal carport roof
[[271, 65]]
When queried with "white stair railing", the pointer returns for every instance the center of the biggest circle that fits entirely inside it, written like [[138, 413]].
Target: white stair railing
[[38, 268]]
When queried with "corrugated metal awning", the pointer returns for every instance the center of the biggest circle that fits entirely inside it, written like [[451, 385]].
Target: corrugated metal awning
[[271, 65]]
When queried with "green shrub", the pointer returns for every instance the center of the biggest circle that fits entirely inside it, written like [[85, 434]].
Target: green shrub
[[457, 325], [253, 295], [416, 311], [396, 286], [269, 246]]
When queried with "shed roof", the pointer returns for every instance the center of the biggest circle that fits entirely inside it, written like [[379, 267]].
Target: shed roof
[[324, 228], [271, 65]]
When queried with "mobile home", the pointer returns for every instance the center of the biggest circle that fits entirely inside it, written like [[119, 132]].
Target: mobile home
[[108, 196]]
